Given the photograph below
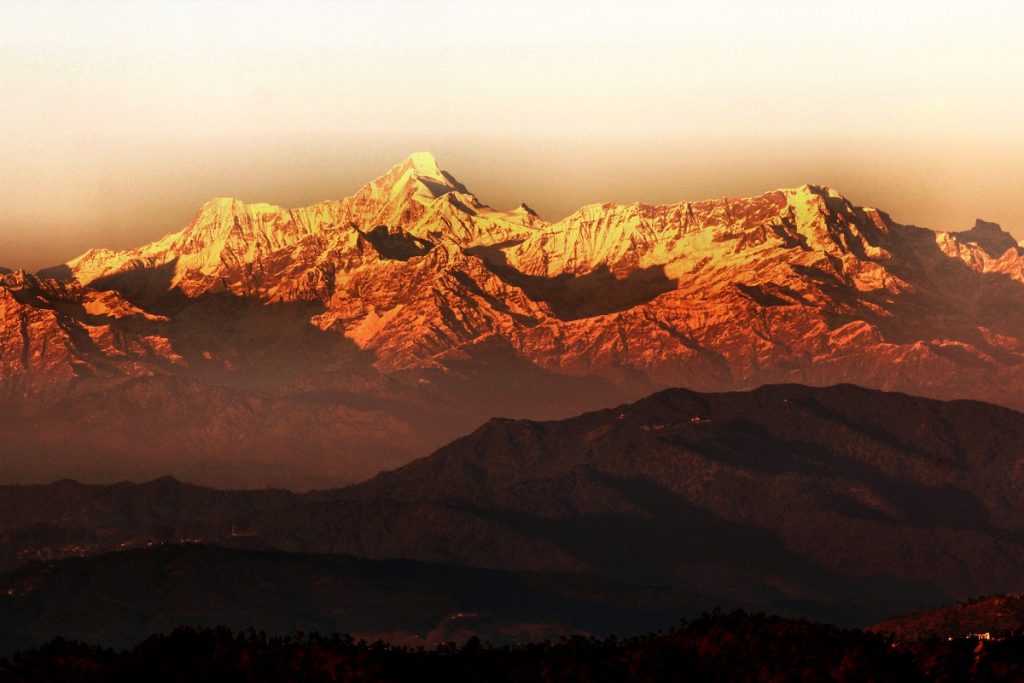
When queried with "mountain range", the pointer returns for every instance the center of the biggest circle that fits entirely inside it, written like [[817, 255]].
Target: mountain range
[[840, 503], [318, 346]]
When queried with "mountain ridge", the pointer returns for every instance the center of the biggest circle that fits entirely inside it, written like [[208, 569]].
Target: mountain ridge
[[847, 504], [428, 312]]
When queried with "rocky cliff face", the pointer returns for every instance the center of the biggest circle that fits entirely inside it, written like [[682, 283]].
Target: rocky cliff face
[[416, 288], [53, 333]]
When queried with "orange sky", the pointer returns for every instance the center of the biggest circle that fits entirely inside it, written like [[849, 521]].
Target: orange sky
[[117, 120]]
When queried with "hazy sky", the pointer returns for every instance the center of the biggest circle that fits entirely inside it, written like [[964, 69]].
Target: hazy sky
[[118, 120]]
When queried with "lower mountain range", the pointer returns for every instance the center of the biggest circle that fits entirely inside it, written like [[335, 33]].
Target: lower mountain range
[[842, 503]]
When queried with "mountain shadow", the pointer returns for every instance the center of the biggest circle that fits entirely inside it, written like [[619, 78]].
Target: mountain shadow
[[59, 272], [949, 299], [397, 246], [147, 288], [573, 297]]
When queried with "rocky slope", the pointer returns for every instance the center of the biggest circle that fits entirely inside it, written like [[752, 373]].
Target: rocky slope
[[431, 311], [52, 332]]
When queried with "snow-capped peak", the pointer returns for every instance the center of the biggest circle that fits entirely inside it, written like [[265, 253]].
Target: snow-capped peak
[[524, 209], [417, 178], [808, 189], [424, 164]]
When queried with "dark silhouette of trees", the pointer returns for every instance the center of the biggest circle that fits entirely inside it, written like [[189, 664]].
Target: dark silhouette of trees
[[718, 646]]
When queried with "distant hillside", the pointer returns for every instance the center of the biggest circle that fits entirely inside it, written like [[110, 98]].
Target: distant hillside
[[843, 503], [119, 598], [999, 616]]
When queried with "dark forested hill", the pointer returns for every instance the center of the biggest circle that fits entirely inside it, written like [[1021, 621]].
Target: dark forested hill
[[844, 503], [998, 616], [116, 599], [715, 647]]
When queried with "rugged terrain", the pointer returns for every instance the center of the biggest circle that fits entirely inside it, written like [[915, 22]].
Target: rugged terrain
[[313, 347]]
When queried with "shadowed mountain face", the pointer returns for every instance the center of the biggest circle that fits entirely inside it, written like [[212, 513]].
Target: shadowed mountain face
[[314, 347], [844, 503]]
